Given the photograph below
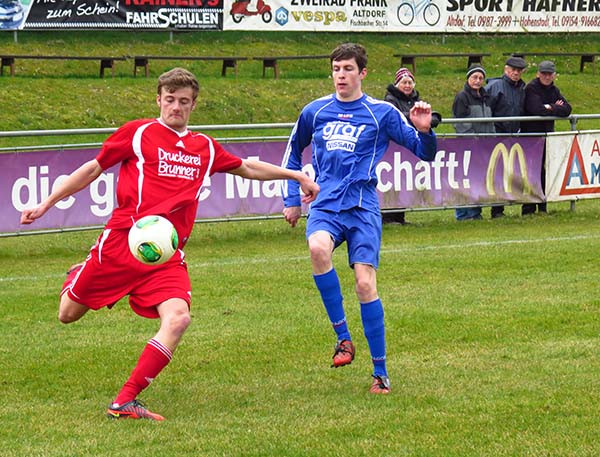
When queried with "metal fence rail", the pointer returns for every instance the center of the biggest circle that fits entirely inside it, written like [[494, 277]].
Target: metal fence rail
[[573, 120]]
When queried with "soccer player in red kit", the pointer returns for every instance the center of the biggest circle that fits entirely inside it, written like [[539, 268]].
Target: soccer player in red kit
[[163, 167]]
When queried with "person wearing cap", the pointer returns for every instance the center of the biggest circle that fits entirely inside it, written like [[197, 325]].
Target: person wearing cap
[[402, 95], [543, 98], [472, 101], [507, 98]]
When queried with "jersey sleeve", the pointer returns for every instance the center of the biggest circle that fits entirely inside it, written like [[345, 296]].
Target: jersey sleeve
[[118, 146], [423, 145], [223, 161], [300, 137]]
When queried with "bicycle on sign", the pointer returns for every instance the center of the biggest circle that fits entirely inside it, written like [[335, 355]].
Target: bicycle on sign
[[409, 9]]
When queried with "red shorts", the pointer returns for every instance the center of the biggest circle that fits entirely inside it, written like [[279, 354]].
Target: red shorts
[[110, 272]]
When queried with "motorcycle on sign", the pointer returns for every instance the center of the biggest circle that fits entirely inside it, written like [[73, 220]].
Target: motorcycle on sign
[[239, 9]]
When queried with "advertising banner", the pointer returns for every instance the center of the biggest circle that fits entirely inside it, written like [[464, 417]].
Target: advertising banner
[[573, 166], [117, 14], [445, 16], [501, 16], [465, 171]]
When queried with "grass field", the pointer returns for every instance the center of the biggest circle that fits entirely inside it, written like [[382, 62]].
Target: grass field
[[492, 333], [69, 94]]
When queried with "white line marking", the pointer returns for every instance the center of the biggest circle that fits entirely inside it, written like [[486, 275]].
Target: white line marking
[[255, 261]]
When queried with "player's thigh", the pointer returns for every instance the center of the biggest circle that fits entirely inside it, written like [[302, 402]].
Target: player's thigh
[[363, 235], [69, 310]]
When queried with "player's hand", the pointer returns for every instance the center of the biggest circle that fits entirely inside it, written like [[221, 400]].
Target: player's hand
[[310, 188], [292, 214], [420, 116], [30, 215], [559, 102]]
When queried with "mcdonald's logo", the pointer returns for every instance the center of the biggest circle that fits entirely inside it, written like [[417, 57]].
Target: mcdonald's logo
[[508, 162]]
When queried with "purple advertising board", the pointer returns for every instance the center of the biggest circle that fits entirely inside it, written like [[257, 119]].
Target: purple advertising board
[[465, 171]]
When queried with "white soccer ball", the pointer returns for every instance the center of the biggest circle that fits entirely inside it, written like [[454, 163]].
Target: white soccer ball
[[153, 240]]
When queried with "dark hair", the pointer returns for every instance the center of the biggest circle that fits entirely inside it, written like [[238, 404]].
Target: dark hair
[[347, 51], [178, 78]]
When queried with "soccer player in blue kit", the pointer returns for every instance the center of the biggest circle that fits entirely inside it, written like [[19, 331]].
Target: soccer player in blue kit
[[349, 132]]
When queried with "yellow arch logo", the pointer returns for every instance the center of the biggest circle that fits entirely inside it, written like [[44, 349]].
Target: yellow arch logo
[[508, 162]]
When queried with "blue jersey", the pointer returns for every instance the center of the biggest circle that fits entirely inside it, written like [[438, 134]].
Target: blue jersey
[[348, 140]]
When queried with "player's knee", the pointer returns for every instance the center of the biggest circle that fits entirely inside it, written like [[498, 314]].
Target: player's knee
[[319, 254], [179, 322], [365, 290], [70, 311], [66, 316]]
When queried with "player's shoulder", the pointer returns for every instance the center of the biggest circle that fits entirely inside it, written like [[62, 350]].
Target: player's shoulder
[[137, 123], [380, 108], [319, 103]]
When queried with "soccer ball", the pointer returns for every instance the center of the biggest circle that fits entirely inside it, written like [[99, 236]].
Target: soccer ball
[[153, 240]]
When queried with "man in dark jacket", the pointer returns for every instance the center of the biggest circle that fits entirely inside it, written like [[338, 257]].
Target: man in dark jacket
[[507, 94], [543, 98], [472, 101]]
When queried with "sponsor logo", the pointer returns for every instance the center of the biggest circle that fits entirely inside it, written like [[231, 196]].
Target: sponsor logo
[[509, 159], [341, 135], [175, 17], [281, 16], [576, 179], [178, 164]]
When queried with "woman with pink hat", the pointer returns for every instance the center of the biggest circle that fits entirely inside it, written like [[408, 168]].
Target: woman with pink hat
[[402, 95]]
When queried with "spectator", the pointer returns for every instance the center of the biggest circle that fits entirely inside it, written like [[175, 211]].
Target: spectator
[[402, 95], [507, 95], [543, 98], [472, 101]]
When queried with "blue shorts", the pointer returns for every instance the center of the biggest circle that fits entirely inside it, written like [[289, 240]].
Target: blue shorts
[[359, 228]]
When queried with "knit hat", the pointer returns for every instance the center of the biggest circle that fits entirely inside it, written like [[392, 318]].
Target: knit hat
[[402, 73], [474, 68]]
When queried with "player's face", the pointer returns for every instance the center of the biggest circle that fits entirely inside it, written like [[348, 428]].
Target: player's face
[[347, 79], [176, 107]]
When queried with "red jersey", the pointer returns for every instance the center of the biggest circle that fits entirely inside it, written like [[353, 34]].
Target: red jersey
[[162, 172]]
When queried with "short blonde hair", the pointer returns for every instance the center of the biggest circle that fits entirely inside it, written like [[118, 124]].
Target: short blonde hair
[[178, 78]]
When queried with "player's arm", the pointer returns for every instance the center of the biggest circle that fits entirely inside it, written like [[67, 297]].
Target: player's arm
[[256, 169], [76, 181]]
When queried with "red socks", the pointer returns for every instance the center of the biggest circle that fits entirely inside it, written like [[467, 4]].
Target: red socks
[[154, 358]]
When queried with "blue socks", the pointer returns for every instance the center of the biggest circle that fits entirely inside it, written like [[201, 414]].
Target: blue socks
[[371, 314], [331, 294], [373, 324]]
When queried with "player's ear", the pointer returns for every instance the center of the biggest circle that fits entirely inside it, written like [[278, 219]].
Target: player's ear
[[363, 73], [158, 100]]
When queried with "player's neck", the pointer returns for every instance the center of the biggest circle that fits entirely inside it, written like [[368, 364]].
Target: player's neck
[[350, 97]]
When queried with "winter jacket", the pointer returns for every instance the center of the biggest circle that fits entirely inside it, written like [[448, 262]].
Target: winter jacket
[[507, 98], [536, 96], [470, 103], [405, 102]]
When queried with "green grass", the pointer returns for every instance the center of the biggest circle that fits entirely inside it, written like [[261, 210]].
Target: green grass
[[69, 94], [492, 325], [492, 331]]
